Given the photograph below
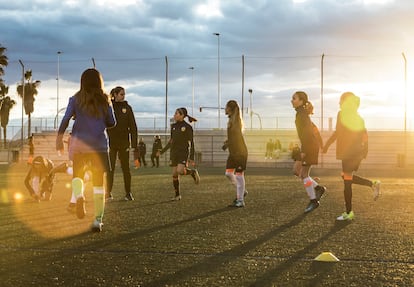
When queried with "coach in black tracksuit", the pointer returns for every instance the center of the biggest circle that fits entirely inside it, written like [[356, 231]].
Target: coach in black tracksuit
[[122, 137]]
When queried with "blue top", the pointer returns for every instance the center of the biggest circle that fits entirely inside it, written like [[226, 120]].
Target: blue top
[[88, 132]]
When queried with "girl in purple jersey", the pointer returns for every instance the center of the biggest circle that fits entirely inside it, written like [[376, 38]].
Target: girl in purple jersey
[[92, 111]]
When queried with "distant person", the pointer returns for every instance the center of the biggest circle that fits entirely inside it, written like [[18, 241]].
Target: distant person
[[310, 140], [237, 159], [31, 149], [142, 152], [351, 148], [122, 137], [277, 148], [181, 144], [156, 147], [92, 111], [269, 149]]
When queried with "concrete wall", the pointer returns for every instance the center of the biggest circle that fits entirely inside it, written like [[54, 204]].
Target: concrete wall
[[386, 148]]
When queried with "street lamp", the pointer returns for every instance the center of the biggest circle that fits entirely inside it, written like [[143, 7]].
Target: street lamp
[[57, 88], [218, 78], [23, 88], [192, 77], [250, 109]]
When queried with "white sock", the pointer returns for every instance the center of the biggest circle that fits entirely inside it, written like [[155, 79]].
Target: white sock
[[231, 177], [73, 198], [77, 187], [35, 184], [240, 187], [308, 183], [99, 201]]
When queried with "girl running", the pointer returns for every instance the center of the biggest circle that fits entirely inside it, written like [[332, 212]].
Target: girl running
[[351, 147], [182, 150], [311, 142], [92, 111], [236, 162]]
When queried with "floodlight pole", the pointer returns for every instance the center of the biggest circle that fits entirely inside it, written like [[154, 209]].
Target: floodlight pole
[[405, 105], [218, 79], [251, 109], [57, 88], [192, 80], [323, 57]]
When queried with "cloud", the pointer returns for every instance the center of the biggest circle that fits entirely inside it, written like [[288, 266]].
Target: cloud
[[282, 42]]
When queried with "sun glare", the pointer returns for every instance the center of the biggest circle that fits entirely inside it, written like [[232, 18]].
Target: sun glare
[[18, 196]]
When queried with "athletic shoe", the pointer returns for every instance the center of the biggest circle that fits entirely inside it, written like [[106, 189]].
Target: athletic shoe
[[244, 195], [71, 208], [97, 225], [176, 198], [346, 216], [80, 207], [237, 203], [129, 197], [320, 191], [108, 196], [195, 176], [313, 204], [376, 185]]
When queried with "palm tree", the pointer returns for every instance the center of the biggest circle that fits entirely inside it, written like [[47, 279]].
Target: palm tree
[[30, 91], [6, 104], [4, 61]]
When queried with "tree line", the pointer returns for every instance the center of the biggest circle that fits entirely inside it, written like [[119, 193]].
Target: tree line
[[7, 103]]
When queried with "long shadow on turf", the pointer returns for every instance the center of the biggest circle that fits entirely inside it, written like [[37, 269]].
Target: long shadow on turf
[[321, 270], [134, 235], [216, 261]]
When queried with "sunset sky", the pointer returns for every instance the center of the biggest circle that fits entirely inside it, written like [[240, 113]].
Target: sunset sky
[[282, 42]]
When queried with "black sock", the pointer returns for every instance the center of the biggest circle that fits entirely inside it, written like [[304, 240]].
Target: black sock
[[176, 184], [361, 181], [348, 195]]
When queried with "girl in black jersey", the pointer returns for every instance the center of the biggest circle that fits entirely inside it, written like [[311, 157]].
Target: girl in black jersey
[[236, 162], [351, 148], [311, 142], [122, 137], [182, 149]]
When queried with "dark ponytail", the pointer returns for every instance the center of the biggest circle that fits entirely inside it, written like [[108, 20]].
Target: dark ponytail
[[183, 111]]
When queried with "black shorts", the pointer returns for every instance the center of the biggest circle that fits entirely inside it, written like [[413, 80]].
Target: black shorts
[[178, 158], [238, 162], [350, 165]]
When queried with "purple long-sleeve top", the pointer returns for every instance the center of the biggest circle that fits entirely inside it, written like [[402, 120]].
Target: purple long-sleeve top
[[88, 132]]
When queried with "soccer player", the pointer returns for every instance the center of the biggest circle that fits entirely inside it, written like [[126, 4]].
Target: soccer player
[[311, 142], [156, 147], [237, 159], [40, 177], [92, 111], [122, 137], [351, 148], [182, 150]]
